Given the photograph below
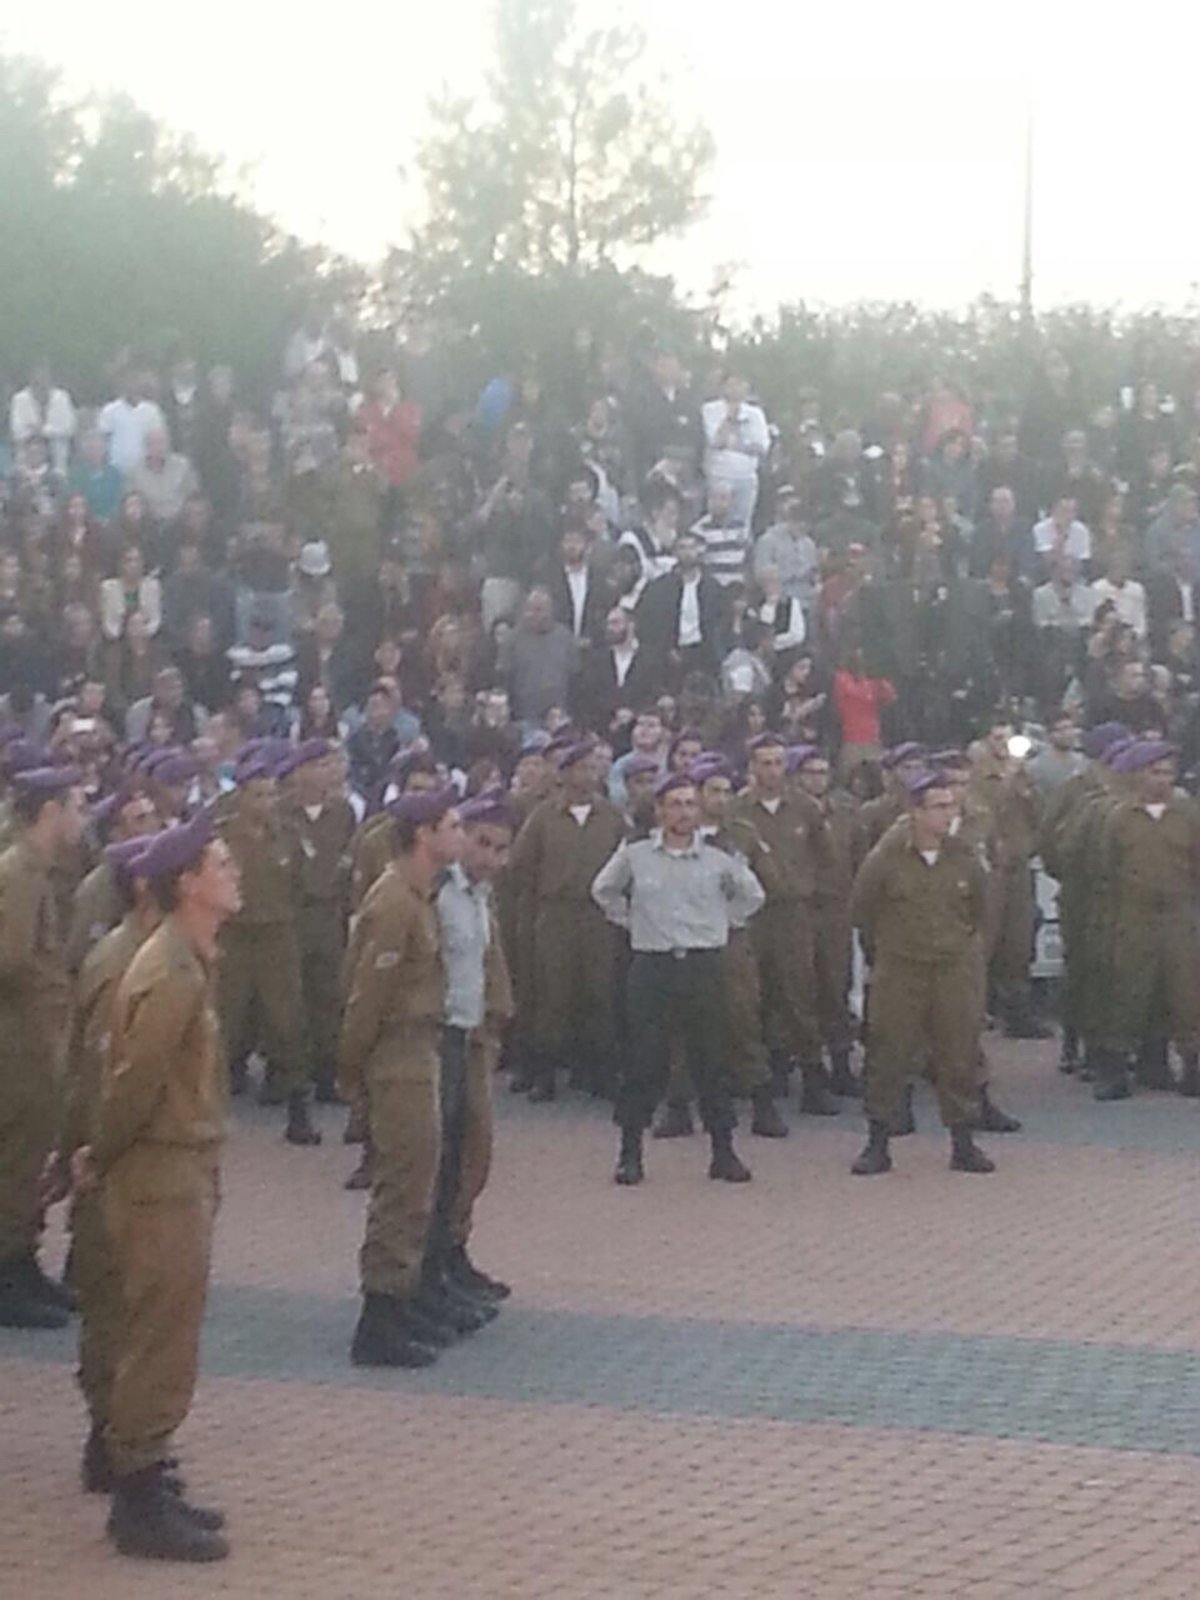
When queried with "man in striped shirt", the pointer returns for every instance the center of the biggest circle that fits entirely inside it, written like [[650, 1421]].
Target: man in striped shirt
[[726, 541]]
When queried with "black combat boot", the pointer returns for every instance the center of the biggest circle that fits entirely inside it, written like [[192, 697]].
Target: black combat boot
[[991, 1119], [1068, 1061], [355, 1131], [544, 1088], [325, 1086], [906, 1122], [384, 1338], [1189, 1080], [463, 1271], [1020, 1022], [766, 1121], [300, 1126], [271, 1091], [874, 1157], [437, 1298], [781, 1069], [965, 1154], [150, 1521], [361, 1177], [20, 1306], [841, 1078], [815, 1098], [1153, 1070], [1111, 1076], [630, 1169], [725, 1165], [674, 1121]]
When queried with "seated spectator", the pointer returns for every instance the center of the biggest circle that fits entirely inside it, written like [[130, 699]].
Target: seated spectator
[[493, 735], [746, 671], [78, 534], [373, 745], [781, 615], [1062, 533], [1126, 698], [95, 478], [168, 702], [449, 719], [950, 469], [76, 651], [133, 589], [202, 661], [33, 482], [318, 715], [1171, 597], [131, 661], [1175, 529], [392, 426], [1001, 535], [652, 542], [576, 587], [269, 663], [312, 587], [1128, 598], [648, 740], [789, 548], [164, 478], [324, 657], [263, 582]]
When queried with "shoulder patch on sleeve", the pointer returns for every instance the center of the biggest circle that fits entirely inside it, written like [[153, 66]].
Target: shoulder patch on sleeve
[[386, 959]]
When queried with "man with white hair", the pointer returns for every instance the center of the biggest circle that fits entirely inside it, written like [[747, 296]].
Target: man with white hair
[[164, 478]]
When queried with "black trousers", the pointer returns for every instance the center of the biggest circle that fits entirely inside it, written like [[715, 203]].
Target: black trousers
[[675, 996], [453, 1099]]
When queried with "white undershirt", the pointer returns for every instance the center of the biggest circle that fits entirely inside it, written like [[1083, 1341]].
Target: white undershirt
[[929, 857], [1155, 811], [622, 655], [1187, 603], [771, 806], [689, 613], [580, 813], [577, 583]]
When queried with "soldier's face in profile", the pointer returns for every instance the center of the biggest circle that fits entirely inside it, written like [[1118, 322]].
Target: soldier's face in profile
[[485, 850], [71, 818], [716, 796], [216, 884], [448, 839]]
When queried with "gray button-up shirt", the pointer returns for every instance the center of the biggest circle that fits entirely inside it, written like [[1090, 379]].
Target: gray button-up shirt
[[672, 900], [462, 908]]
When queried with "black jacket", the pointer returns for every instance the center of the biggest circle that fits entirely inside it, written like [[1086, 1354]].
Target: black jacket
[[658, 617]]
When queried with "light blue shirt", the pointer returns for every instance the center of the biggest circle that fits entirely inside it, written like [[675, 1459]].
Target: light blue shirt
[[672, 900], [462, 908]]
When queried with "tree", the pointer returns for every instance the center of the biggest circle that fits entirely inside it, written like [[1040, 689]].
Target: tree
[[570, 166]]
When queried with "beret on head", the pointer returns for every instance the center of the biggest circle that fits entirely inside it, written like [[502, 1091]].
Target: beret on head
[[253, 767], [910, 751], [489, 806], [921, 782], [424, 809], [9, 732], [124, 859], [799, 755], [405, 762], [46, 780], [1143, 753], [155, 755], [306, 752], [710, 765], [1098, 739], [638, 766], [1116, 750], [950, 760], [177, 769], [673, 780], [765, 741], [175, 849], [22, 756], [575, 752]]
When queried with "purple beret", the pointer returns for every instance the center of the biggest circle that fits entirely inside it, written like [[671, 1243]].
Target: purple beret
[[46, 780], [313, 750], [537, 744], [489, 806], [638, 765], [105, 812], [22, 756], [711, 764], [426, 808], [11, 731], [1098, 739], [799, 755], [124, 858], [177, 848], [766, 741], [575, 752], [177, 769], [1116, 750], [253, 767], [921, 782], [910, 751], [673, 780], [405, 762], [1143, 753]]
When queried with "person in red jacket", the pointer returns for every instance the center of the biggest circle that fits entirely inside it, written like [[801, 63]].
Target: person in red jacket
[[860, 702]]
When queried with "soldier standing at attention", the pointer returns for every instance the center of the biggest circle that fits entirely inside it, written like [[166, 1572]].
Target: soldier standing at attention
[[322, 821], [155, 1157], [388, 1055], [1150, 845], [98, 904], [677, 895], [478, 1008], [900, 764], [554, 861], [93, 1268], [412, 772], [260, 950], [790, 828], [920, 906], [34, 999]]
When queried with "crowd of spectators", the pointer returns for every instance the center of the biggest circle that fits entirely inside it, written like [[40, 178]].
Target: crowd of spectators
[[641, 551]]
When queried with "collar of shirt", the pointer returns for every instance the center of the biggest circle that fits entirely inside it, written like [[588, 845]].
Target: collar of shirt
[[659, 843]]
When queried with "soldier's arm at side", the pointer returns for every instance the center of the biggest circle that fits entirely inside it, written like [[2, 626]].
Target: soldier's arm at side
[[380, 956], [866, 894], [140, 1057], [19, 906], [743, 891], [611, 885]]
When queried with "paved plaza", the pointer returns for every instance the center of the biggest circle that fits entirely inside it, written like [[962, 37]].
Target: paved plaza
[[922, 1385]]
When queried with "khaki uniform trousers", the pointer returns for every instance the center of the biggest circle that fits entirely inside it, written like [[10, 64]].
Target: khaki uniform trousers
[[322, 951], [30, 1111], [95, 1277], [784, 939], [924, 1017], [402, 1077], [476, 1156], [160, 1205], [834, 963], [259, 978], [1154, 980]]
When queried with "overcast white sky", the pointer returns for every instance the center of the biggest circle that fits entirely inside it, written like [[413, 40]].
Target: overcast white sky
[[865, 152]]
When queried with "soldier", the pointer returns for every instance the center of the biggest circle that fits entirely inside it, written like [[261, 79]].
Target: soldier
[[641, 780], [93, 1269], [412, 772], [1003, 783], [900, 764], [478, 1008], [98, 905], [920, 905], [791, 828], [677, 895], [837, 860], [1150, 846], [155, 1159], [34, 997], [388, 1054], [749, 1072], [553, 863], [323, 824]]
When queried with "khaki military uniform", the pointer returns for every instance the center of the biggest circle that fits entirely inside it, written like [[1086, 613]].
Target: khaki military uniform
[[388, 1054], [552, 866], [156, 1153], [1090, 906], [371, 850], [93, 1267], [1059, 817], [920, 926], [876, 816], [1009, 794], [785, 929], [323, 848], [1152, 868], [34, 999], [837, 861], [95, 911], [259, 968]]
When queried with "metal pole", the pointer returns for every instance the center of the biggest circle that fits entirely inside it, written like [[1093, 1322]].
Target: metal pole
[[1027, 252]]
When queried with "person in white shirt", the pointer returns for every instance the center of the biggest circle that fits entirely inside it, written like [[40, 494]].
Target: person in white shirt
[[726, 540], [1127, 596], [654, 542], [736, 440], [1061, 533], [127, 420], [41, 411]]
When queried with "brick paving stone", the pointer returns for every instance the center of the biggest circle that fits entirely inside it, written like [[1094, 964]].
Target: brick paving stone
[[813, 1387]]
